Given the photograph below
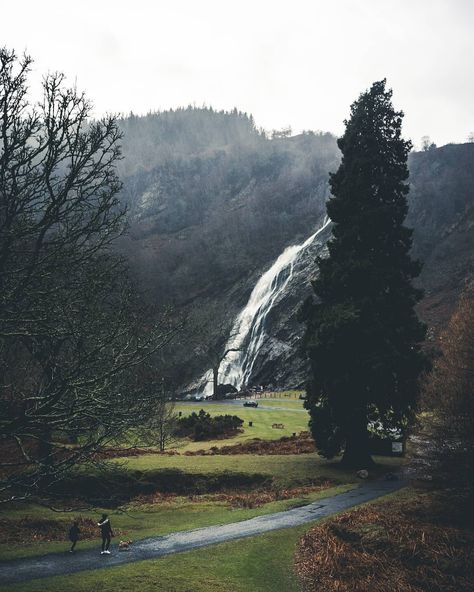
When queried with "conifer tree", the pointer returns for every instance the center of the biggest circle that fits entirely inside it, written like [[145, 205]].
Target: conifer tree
[[362, 333]]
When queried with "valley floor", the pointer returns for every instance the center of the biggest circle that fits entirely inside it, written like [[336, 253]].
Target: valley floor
[[196, 486]]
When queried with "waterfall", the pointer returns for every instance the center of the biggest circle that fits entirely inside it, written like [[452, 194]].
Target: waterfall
[[248, 331]]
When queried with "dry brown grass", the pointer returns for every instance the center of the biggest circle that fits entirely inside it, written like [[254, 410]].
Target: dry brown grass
[[302, 444], [112, 452], [414, 545], [30, 529], [257, 499], [253, 499]]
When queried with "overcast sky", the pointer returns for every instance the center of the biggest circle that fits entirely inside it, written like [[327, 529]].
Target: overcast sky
[[297, 63]]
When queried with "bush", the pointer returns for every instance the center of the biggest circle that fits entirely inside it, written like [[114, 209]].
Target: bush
[[401, 545], [448, 401], [201, 426]]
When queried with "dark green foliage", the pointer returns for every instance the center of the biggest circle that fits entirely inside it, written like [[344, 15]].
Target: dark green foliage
[[201, 426], [362, 334]]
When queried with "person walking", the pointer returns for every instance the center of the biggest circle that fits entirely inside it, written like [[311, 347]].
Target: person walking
[[106, 533], [74, 533]]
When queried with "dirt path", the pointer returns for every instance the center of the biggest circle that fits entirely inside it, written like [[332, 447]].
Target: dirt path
[[21, 570]]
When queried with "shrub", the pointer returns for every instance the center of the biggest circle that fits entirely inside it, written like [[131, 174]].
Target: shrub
[[448, 401], [201, 426]]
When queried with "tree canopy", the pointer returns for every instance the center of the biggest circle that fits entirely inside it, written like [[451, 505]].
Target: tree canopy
[[74, 343], [448, 399], [363, 336]]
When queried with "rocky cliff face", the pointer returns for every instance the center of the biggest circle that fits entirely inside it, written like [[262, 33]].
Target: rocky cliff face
[[281, 362], [441, 213], [442, 216]]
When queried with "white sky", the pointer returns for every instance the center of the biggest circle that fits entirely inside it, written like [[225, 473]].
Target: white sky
[[292, 62]]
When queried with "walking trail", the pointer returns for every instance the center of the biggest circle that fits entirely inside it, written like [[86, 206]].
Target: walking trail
[[54, 564]]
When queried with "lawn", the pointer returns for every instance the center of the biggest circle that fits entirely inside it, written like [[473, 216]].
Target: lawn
[[295, 404], [293, 420], [287, 470], [258, 564], [141, 520]]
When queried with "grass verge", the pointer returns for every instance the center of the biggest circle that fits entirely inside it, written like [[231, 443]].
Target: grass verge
[[286, 470], [143, 520]]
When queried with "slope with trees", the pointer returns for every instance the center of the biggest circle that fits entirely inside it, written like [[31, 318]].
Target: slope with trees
[[441, 211], [213, 204], [215, 201]]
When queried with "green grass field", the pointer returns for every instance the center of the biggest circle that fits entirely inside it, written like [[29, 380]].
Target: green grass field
[[262, 563], [295, 404], [287, 470], [293, 419], [139, 521], [258, 564]]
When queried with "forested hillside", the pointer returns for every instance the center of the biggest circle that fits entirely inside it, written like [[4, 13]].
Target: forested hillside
[[441, 212], [213, 201]]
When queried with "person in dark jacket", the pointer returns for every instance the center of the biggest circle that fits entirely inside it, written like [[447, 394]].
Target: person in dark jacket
[[74, 533], [106, 533]]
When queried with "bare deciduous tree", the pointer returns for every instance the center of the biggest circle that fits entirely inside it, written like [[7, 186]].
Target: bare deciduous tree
[[159, 429], [73, 341], [448, 402]]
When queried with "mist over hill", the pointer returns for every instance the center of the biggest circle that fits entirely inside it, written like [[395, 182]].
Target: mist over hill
[[213, 201]]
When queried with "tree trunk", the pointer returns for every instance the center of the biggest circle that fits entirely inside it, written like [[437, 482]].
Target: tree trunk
[[357, 451], [215, 375], [45, 448], [45, 457], [161, 435]]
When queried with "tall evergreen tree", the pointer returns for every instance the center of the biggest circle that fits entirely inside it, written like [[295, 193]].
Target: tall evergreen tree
[[363, 336]]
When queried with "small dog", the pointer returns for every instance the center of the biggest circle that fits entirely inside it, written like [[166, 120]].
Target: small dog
[[124, 545]]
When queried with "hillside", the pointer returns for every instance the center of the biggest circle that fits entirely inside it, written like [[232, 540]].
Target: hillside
[[206, 214], [213, 201], [441, 201]]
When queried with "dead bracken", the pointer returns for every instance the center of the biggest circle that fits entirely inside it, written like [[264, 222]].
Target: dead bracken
[[252, 499], [301, 444], [408, 545], [29, 529]]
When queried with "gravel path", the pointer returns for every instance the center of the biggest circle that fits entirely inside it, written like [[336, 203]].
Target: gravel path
[[21, 570]]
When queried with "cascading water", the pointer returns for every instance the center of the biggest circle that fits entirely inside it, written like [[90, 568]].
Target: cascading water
[[248, 331]]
